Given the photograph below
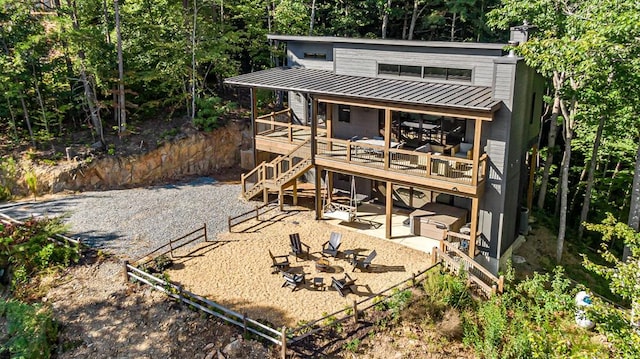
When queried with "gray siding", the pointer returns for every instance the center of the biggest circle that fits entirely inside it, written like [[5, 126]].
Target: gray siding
[[296, 51], [363, 123], [299, 105], [360, 61]]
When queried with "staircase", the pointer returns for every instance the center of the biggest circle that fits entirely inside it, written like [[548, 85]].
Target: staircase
[[277, 174]]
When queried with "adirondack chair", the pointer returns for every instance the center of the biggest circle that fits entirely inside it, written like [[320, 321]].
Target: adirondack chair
[[362, 262], [293, 280], [331, 246], [297, 247], [344, 285], [280, 263]]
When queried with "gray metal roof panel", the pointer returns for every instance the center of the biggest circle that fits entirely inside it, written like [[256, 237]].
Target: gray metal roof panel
[[383, 89]]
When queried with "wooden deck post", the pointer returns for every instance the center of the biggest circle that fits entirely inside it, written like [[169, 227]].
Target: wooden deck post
[[389, 210], [355, 312], [254, 125], [283, 338], [474, 227], [318, 190], [387, 137], [329, 124], [295, 192], [476, 151], [125, 272]]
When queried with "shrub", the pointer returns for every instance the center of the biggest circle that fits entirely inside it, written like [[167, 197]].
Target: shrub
[[31, 330], [210, 111]]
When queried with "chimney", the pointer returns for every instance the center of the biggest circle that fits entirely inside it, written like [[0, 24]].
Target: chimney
[[521, 33]]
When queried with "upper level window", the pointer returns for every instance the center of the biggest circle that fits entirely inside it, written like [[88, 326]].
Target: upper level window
[[344, 113], [447, 73], [315, 55], [427, 72]]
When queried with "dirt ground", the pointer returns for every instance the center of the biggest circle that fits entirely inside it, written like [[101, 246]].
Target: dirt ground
[[236, 270]]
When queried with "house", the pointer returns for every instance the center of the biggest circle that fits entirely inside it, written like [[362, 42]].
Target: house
[[442, 128]]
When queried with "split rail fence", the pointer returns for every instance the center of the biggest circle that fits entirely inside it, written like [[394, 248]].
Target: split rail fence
[[174, 244], [249, 215]]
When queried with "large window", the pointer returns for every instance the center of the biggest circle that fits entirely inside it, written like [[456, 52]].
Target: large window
[[315, 55], [427, 72]]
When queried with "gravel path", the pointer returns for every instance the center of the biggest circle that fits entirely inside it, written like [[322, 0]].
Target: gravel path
[[130, 223]]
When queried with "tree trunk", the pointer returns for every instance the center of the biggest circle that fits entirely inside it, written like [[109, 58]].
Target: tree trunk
[[385, 18], [414, 19], [12, 124], [89, 94], [122, 111], [313, 17], [581, 181], [26, 119], [634, 206], [564, 175], [45, 120], [592, 169], [453, 27], [193, 61], [405, 22], [553, 130], [613, 176]]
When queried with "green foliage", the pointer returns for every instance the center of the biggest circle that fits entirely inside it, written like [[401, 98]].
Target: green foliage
[[25, 250], [31, 331], [447, 291], [210, 112], [533, 319], [352, 345], [7, 177], [623, 279], [32, 182]]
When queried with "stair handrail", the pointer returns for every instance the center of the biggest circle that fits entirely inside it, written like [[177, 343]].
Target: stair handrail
[[276, 164], [243, 177]]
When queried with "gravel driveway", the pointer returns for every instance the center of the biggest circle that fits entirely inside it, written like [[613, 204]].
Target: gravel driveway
[[130, 223]]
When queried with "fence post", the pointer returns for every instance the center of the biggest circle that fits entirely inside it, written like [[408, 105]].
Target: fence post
[[244, 324], [413, 279], [283, 339], [205, 232], [229, 223], [171, 248], [501, 284], [434, 255], [126, 271], [355, 312]]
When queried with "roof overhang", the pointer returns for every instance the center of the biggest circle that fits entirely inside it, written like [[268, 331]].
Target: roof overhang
[[409, 94]]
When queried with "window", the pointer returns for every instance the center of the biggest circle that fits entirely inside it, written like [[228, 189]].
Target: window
[[387, 69], [444, 73], [315, 55], [344, 113], [427, 72], [413, 71]]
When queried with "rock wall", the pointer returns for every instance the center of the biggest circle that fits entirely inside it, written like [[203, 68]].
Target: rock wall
[[198, 154]]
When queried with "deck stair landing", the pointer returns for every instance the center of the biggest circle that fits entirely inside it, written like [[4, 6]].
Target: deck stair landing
[[277, 175]]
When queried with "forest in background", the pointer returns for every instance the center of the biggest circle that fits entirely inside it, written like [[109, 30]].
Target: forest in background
[[73, 65]]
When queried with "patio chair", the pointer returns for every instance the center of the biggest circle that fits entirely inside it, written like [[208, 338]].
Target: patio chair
[[280, 263], [293, 280], [331, 246], [362, 262], [344, 285], [297, 247]]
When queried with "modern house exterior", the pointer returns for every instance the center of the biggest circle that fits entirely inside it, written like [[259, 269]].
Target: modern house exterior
[[440, 129]]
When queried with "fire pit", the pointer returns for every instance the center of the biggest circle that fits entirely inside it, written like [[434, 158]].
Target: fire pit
[[323, 265]]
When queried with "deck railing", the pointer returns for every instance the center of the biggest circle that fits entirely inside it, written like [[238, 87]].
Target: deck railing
[[455, 260], [280, 126], [421, 164]]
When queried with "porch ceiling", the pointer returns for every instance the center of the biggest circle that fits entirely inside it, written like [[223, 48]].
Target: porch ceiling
[[320, 82]]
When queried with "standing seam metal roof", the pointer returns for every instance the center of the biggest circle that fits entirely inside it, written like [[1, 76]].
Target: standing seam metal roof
[[381, 89]]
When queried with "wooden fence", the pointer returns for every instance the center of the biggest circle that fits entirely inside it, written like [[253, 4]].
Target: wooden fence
[[455, 260], [56, 238], [249, 215], [277, 337], [174, 244], [315, 326]]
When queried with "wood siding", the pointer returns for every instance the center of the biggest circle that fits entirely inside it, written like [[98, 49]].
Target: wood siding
[[364, 62], [296, 51]]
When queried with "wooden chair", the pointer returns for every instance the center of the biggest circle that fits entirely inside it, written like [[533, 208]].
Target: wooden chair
[[280, 263], [293, 280], [344, 285], [331, 246], [297, 247], [362, 262]]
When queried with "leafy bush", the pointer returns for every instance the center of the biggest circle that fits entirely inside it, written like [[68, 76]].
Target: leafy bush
[[7, 177], [533, 319], [25, 250], [31, 330], [210, 111]]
